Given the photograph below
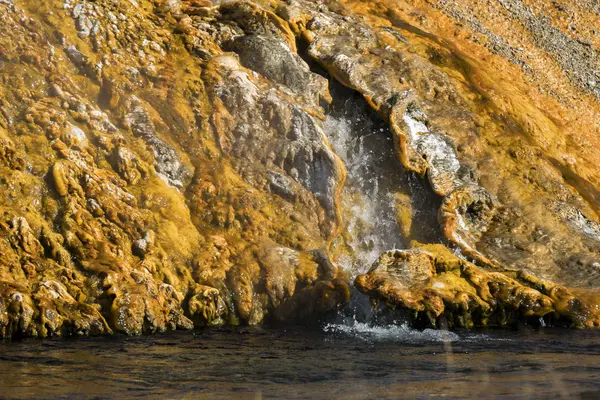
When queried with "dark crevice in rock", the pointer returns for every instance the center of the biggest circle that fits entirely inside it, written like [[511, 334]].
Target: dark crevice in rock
[[381, 170], [349, 104]]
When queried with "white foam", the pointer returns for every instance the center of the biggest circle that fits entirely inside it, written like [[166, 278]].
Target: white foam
[[371, 226], [401, 333], [405, 334]]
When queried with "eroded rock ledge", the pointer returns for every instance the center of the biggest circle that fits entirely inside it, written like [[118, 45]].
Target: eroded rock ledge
[[450, 292], [164, 166]]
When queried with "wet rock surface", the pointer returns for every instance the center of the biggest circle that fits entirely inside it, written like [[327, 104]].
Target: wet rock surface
[[445, 291], [167, 165], [443, 134]]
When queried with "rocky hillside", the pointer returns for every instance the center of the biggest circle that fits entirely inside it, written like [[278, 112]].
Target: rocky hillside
[[164, 164]]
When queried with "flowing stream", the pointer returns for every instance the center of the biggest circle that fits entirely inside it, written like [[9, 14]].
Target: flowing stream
[[373, 175], [376, 185], [376, 188]]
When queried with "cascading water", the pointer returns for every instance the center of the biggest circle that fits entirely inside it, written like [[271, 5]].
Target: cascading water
[[375, 181], [373, 176]]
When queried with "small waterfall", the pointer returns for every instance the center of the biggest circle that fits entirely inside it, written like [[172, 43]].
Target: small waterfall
[[375, 181], [374, 175]]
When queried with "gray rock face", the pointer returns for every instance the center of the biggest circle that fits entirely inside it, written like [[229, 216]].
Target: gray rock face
[[577, 58], [271, 57], [75, 56], [281, 185], [265, 125], [168, 165]]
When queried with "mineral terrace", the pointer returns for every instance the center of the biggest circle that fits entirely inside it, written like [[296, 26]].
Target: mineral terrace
[[164, 164]]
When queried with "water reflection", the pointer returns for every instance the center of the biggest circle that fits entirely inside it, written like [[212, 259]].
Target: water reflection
[[299, 363]]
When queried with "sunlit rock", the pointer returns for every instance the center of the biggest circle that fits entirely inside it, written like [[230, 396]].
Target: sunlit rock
[[444, 290], [170, 165]]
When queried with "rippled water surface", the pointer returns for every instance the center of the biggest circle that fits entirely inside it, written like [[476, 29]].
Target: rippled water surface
[[353, 361]]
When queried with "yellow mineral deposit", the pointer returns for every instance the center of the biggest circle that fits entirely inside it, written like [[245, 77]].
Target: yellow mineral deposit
[[165, 164]]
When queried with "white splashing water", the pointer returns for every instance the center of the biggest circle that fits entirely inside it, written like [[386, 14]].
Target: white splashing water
[[401, 333], [374, 177], [405, 334], [373, 173]]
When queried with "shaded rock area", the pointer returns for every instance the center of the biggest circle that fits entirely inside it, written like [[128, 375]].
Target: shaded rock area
[[164, 165]]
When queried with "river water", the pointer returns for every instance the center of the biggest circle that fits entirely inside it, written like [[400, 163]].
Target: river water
[[334, 361]]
